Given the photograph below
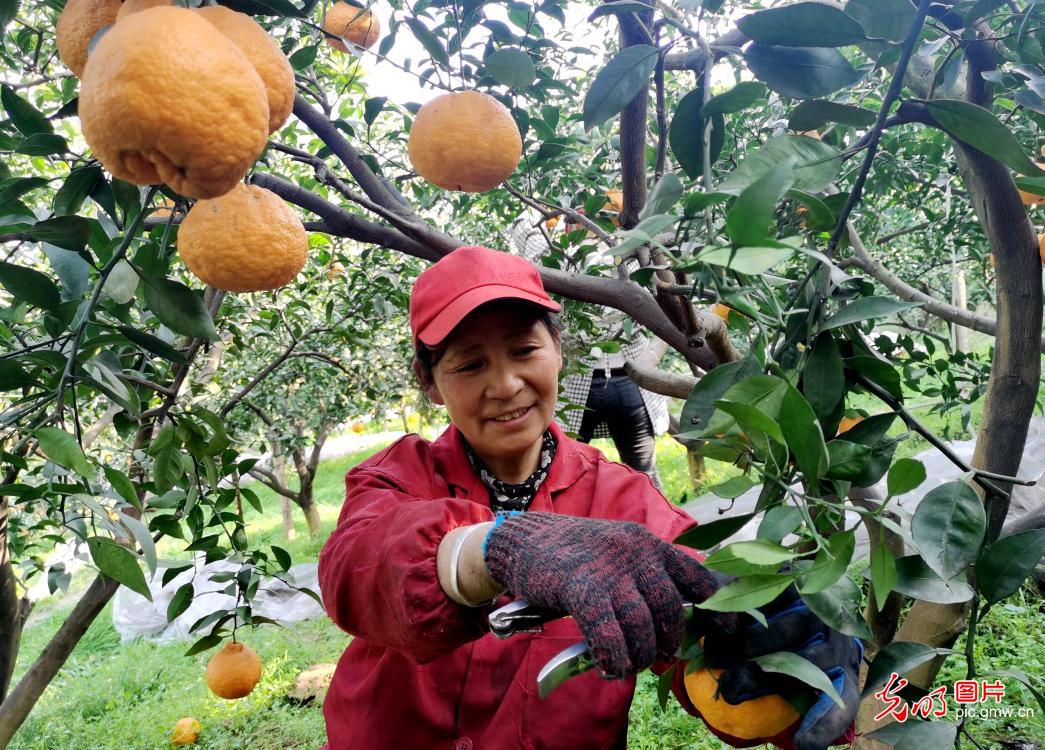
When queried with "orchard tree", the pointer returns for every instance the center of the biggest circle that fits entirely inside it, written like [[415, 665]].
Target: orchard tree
[[765, 157]]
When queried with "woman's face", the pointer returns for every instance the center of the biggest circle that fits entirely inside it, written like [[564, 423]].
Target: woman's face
[[498, 378]]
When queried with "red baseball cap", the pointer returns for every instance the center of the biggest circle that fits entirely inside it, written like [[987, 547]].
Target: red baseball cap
[[461, 281]]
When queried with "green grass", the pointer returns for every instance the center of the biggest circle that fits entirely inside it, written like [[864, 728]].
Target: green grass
[[112, 696]]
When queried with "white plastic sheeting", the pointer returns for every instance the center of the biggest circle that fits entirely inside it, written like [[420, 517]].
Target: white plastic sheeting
[[136, 617], [938, 469]]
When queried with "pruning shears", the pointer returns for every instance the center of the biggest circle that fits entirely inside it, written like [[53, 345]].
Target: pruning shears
[[522, 617]]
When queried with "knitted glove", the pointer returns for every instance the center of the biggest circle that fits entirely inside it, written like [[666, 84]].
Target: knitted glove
[[623, 585], [792, 627]]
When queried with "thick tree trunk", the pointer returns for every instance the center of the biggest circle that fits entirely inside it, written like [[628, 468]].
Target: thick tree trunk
[[286, 509], [14, 610]]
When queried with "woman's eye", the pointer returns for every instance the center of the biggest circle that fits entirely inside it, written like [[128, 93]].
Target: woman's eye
[[528, 349], [468, 367]]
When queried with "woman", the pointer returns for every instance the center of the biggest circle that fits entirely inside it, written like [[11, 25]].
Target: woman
[[504, 504]]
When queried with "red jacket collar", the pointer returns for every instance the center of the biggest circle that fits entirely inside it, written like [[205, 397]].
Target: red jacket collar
[[567, 467]]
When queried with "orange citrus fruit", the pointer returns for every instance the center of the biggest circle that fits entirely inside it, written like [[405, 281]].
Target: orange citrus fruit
[[722, 311], [754, 719], [466, 141], [848, 423], [133, 6], [616, 200], [358, 427], [79, 21], [352, 23], [264, 54], [247, 240], [191, 112], [1031, 199], [234, 671], [186, 731], [1041, 247]]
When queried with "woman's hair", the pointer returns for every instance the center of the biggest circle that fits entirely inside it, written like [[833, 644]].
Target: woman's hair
[[427, 357]]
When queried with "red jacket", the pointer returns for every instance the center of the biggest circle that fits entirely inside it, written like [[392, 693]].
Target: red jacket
[[424, 672]]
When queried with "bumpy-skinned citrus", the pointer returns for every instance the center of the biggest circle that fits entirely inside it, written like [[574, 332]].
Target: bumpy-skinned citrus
[[357, 25], [757, 718], [234, 671], [191, 112], [247, 240], [848, 423], [186, 731], [264, 53], [466, 141], [79, 21]]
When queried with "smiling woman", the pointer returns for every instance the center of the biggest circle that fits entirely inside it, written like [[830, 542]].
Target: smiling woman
[[432, 535]]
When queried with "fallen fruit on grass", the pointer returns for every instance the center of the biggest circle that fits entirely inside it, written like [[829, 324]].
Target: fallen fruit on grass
[[186, 731]]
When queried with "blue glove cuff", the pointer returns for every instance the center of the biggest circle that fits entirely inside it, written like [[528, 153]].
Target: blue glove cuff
[[502, 516]]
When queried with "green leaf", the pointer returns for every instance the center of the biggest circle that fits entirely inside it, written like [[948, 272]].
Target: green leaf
[[733, 487], [205, 643], [820, 217], [304, 57], [751, 419], [152, 344], [686, 134], [883, 573], [747, 260], [62, 448], [700, 405], [1019, 676], [24, 116], [620, 6], [119, 564], [122, 484], [804, 438], [70, 232], [76, 189], [749, 592], [144, 538], [8, 10], [812, 114], [616, 85], [830, 563], [981, 8], [30, 286], [179, 308], [1005, 565], [790, 663], [42, 144], [663, 197], [736, 99], [727, 561], [883, 19], [867, 308], [749, 219], [800, 72], [816, 163], [917, 580], [880, 372], [282, 557], [372, 108], [823, 378], [180, 601], [761, 552], [900, 657], [13, 376], [510, 66], [905, 475], [948, 527], [265, 8], [432, 44], [848, 461], [708, 535], [778, 522], [802, 25], [664, 683], [979, 128], [916, 735], [73, 271], [839, 607]]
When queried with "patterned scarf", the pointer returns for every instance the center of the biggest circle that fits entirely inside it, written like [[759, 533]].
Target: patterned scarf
[[517, 497]]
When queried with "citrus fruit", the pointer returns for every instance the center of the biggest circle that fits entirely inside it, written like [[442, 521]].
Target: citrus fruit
[[1031, 199], [721, 310], [133, 6], [616, 201], [245, 241], [848, 423], [234, 671], [352, 23], [77, 24], [191, 112], [464, 140], [1041, 247], [186, 731], [358, 427], [264, 54], [754, 719]]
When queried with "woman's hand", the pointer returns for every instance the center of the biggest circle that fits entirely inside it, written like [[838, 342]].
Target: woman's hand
[[792, 627], [622, 584]]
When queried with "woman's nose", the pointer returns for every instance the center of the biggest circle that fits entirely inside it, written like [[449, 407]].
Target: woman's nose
[[504, 382]]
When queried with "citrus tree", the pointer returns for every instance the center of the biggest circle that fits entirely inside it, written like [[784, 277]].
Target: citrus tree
[[758, 152]]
